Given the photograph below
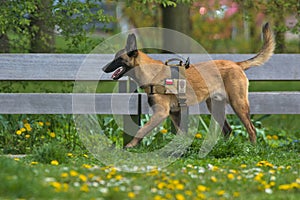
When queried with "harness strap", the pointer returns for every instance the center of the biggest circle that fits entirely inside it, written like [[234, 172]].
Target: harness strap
[[175, 72]]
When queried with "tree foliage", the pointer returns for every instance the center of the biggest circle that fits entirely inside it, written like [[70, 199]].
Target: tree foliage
[[276, 11], [30, 25]]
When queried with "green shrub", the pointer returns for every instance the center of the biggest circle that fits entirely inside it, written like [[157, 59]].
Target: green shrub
[[49, 152]]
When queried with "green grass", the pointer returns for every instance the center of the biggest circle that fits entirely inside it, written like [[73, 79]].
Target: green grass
[[261, 86], [234, 169]]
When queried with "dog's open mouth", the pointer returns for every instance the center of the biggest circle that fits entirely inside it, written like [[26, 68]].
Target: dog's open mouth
[[117, 74]]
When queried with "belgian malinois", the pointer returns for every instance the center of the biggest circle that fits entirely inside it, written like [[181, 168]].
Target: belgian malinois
[[146, 71]]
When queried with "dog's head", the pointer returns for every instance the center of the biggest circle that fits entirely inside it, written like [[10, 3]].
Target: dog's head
[[124, 59]]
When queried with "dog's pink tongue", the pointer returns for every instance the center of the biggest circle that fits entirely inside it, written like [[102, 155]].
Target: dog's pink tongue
[[116, 73]]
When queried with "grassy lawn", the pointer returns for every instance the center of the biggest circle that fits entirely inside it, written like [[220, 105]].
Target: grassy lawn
[[234, 169]]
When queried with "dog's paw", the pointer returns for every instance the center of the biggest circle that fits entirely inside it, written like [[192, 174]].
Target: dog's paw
[[130, 145]]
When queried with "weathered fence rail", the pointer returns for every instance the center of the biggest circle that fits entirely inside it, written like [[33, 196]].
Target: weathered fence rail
[[78, 67]]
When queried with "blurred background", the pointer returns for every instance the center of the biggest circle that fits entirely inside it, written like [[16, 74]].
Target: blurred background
[[77, 26]]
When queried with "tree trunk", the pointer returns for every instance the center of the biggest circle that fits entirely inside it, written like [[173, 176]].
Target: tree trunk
[[177, 19], [279, 32], [4, 43], [279, 35], [41, 30]]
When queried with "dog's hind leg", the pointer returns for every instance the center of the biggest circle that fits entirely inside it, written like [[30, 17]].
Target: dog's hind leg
[[241, 108], [217, 109]]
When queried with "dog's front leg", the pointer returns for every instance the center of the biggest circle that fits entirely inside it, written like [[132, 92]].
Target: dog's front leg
[[160, 112]]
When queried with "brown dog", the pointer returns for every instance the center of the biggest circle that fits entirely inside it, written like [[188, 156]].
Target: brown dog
[[203, 86]]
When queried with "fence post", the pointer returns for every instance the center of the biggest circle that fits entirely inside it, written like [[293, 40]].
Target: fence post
[[131, 122]]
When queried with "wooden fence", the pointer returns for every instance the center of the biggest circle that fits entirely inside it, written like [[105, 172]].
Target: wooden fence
[[79, 67]]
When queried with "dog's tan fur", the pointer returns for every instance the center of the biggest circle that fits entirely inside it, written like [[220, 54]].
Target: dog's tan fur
[[203, 85]]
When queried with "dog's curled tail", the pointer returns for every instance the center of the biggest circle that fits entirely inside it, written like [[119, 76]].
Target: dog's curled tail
[[265, 53]]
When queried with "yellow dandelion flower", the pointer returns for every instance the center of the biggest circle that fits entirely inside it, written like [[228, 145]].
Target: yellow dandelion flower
[[188, 192], [267, 186], [91, 175], [54, 162], [52, 134], [83, 178], [47, 123], [22, 129], [164, 131], [213, 179], [230, 176], [289, 167], [109, 176], [198, 135], [269, 165], [86, 166], [153, 172], [258, 176], [169, 196], [119, 177], [170, 186], [214, 168], [202, 188], [221, 192], [84, 188], [236, 194], [34, 163], [264, 183], [269, 137], [131, 195], [17, 159], [85, 155], [179, 197], [28, 127], [201, 196], [56, 185], [272, 171], [157, 197], [41, 123], [27, 136], [70, 155], [179, 186], [295, 185], [65, 187], [272, 183], [285, 187], [275, 137], [161, 185], [64, 175], [73, 173], [18, 132]]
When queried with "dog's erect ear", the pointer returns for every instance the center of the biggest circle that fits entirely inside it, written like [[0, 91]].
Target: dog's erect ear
[[131, 47]]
